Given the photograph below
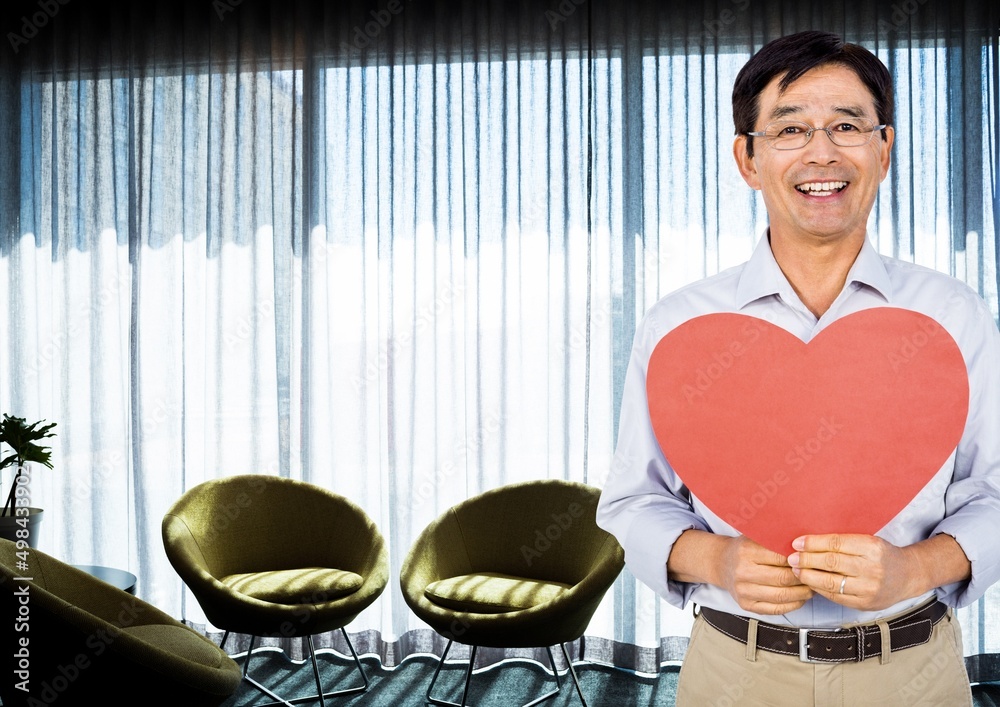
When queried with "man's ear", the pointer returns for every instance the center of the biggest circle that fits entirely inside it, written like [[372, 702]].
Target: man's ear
[[886, 149], [745, 163]]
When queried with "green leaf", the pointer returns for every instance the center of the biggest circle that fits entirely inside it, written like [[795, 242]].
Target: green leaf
[[22, 437]]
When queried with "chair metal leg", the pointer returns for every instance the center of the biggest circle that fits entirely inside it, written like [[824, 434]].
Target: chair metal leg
[[319, 685], [572, 673], [357, 662], [555, 672], [320, 695], [437, 671], [246, 668], [468, 680]]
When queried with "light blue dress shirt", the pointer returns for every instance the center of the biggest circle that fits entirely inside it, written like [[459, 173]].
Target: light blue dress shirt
[[646, 506]]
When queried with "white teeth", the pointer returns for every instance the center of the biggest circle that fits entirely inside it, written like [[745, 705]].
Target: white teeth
[[821, 188]]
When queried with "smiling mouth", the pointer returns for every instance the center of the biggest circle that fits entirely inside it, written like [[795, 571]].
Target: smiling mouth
[[821, 188]]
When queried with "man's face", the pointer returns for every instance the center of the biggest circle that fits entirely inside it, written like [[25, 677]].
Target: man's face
[[796, 210]]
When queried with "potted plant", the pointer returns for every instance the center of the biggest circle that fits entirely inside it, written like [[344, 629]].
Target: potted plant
[[22, 439]]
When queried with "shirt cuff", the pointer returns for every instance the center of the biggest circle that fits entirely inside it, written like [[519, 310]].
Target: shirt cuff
[[647, 549], [968, 533]]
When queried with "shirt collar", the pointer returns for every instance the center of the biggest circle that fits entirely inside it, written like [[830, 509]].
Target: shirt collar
[[869, 269], [761, 277]]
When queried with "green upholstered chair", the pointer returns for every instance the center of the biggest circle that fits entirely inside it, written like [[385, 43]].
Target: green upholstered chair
[[270, 556], [520, 566], [88, 642]]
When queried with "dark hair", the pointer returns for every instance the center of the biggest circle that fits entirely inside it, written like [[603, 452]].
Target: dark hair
[[793, 56]]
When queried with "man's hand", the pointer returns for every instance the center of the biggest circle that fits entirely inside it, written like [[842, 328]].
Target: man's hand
[[761, 581], [874, 573]]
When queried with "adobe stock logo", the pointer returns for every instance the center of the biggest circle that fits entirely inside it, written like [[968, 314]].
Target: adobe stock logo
[[381, 19], [561, 522], [721, 361], [31, 25], [223, 6]]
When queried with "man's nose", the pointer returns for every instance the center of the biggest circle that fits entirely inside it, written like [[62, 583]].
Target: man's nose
[[821, 148]]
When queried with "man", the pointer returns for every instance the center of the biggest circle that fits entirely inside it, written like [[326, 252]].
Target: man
[[814, 130]]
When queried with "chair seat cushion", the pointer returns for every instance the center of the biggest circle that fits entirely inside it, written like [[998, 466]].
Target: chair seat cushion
[[309, 585], [178, 640], [492, 593]]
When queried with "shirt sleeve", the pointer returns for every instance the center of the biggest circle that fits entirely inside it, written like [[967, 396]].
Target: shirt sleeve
[[643, 503], [972, 501]]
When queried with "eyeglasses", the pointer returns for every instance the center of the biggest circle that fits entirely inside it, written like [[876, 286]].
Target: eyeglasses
[[850, 132]]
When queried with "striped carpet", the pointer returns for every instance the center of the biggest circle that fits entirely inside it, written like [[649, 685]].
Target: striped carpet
[[512, 683]]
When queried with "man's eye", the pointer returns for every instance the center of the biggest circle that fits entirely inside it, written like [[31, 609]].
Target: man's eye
[[789, 130], [847, 127]]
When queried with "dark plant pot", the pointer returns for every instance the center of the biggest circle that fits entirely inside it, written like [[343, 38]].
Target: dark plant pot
[[10, 524]]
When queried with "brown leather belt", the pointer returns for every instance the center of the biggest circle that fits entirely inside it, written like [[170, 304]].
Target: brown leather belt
[[827, 645]]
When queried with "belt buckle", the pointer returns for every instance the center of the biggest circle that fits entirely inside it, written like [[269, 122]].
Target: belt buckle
[[804, 643]]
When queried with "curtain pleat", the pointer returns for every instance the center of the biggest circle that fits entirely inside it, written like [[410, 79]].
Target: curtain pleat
[[400, 249]]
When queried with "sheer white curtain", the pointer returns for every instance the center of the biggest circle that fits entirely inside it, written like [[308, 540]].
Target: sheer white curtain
[[405, 264], [448, 307]]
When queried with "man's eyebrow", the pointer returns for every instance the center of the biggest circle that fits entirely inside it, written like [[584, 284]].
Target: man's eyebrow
[[783, 111], [851, 111]]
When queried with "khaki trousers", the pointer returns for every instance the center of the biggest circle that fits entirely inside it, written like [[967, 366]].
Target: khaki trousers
[[719, 671]]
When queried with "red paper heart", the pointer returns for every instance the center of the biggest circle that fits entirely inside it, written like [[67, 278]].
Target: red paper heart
[[780, 438]]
